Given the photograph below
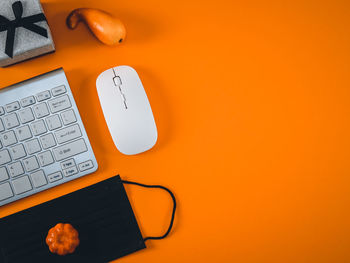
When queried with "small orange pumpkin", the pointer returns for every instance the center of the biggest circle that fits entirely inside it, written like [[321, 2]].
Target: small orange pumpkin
[[62, 239]]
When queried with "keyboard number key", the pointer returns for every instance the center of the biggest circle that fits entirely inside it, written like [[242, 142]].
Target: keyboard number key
[[5, 191], [22, 185], [38, 178]]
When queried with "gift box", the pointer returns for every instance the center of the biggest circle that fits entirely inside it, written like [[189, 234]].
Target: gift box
[[24, 31]]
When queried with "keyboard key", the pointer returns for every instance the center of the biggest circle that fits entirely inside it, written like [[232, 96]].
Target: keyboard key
[[86, 166], [26, 115], [58, 90], [59, 104], [48, 141], [38, 127], [41, 110], [31, 164], [55, 177], [68, 164], [11, 121], [15, 169], [4, 157], [45, 158], [5, 191], [21, 185], [12, 106], [2, 111], [28, 101], [69, 150], [2, 127], [68, 134], [23, 133], [33, 146], [53, 122], [9, 138], [43, 95], [3, 174], [70, 171], [17, 152], [68, 117], [38, 178]]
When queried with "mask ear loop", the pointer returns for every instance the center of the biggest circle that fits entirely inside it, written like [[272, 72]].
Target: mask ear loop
[[174, 207]]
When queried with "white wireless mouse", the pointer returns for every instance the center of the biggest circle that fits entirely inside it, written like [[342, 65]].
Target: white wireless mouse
[[127, 110]]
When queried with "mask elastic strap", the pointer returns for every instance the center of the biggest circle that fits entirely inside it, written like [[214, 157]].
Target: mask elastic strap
[[174, 207]]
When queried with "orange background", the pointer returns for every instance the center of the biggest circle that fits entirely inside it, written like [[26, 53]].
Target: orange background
[[251, 99]]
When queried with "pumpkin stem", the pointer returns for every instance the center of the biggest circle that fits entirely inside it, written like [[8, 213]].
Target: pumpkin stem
[[74, 18]]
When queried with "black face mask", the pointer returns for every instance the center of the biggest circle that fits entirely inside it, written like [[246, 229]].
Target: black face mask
[[101, 213]]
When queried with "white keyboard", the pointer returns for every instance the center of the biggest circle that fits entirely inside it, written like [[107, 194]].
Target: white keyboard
[[43, 142]]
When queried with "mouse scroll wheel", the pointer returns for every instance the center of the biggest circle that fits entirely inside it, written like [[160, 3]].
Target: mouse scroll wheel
[[117, 81]]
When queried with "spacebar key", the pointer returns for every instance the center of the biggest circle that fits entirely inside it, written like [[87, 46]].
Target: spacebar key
[[69, 149]]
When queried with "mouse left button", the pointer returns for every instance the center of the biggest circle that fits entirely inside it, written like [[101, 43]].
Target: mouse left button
[[105, 79]]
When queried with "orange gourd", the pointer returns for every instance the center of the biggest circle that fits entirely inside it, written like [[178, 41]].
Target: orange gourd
[[107, 28], [62, 239]]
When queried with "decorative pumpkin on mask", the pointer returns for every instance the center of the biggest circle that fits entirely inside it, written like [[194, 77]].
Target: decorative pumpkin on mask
[[62, 239]]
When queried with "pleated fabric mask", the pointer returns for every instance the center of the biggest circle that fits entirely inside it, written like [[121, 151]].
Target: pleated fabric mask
[[101, 214]]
